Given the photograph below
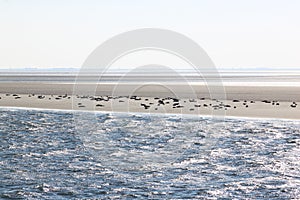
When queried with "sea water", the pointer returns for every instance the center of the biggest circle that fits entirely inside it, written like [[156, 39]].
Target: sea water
[[69, 155], [235, 77]]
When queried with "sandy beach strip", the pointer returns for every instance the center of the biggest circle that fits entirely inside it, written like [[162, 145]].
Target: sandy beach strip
[[269, 102], [256, 93]]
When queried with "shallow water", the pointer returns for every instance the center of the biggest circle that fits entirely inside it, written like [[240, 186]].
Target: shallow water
[[253, 77], [63, 155]]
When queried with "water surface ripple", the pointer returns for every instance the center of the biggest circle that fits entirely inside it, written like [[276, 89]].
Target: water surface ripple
[[42, 156]]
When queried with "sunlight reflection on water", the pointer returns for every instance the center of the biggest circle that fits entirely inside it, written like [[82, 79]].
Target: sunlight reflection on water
[[42, 156]]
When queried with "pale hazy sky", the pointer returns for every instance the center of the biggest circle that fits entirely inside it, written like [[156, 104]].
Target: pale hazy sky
[[234, 33]]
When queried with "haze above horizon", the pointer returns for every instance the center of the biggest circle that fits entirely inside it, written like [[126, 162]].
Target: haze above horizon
[[235, 34]]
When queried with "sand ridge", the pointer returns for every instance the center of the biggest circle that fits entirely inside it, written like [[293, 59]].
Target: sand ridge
[[195, 106]]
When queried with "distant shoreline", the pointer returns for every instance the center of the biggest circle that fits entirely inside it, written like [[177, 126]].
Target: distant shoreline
[[254, 102], [256, 93]]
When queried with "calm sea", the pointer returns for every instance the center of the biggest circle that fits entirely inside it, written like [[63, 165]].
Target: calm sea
[[68, 155], [268, 77]]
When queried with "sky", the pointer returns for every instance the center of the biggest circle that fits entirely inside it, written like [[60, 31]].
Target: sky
[[234, 33]]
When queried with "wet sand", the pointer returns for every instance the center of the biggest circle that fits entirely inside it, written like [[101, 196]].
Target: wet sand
[[256, 93], [249, 101]]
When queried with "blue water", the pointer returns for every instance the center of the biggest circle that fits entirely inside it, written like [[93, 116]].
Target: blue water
[[67, 155]]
